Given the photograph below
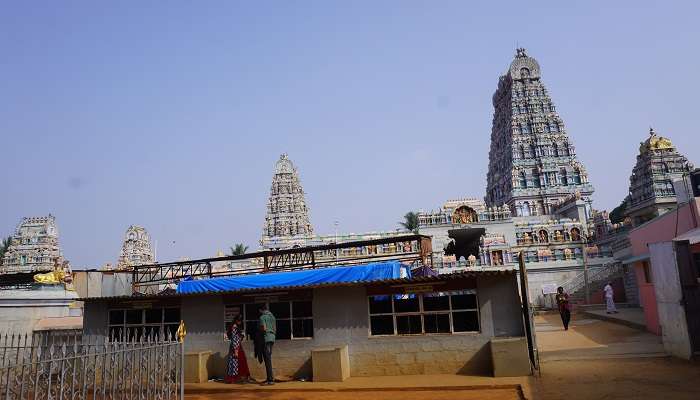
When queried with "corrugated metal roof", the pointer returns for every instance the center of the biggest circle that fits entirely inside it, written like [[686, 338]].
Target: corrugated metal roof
[[414, 280]]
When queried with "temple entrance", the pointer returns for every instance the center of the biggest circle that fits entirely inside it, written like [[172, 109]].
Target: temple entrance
[[465, 242]]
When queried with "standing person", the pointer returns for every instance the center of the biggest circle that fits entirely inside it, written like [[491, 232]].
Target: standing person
[[236, 364], [564, 307], [609, 299], [268, 326]]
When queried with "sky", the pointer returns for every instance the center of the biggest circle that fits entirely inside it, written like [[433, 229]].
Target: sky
[[171, 115]]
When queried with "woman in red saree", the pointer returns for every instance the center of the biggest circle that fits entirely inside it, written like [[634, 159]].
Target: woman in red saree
[[236, 363]]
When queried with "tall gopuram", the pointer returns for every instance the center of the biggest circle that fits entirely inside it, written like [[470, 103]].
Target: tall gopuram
[[136, 249], [651, 191], [34, 246], [532, 162], [287, 219]]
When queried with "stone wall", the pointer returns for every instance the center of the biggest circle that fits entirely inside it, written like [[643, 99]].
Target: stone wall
[[20, 310]]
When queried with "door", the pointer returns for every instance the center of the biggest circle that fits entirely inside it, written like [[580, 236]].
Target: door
[[689, 273]]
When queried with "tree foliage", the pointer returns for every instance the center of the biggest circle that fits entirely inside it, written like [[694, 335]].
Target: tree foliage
[[617, 215], [239, 249], [410, 221], [4, 245]]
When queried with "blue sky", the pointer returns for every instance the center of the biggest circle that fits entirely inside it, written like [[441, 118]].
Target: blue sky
[[171, 115]]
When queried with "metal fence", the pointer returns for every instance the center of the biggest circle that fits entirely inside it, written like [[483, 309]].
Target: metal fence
[[74, 367]]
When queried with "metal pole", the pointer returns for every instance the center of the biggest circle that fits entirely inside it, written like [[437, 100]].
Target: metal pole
[[585, 268], [527, 315]]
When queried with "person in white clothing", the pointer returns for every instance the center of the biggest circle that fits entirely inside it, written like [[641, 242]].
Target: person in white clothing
[[609, 299]]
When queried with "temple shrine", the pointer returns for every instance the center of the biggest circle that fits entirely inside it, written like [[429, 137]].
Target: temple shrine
[[136, 249], [34, 247]]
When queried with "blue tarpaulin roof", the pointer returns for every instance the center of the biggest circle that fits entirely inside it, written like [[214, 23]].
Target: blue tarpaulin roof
[[361, 273]]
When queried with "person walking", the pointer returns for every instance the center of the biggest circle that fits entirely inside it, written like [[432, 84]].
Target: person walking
[[236, 363], [564, 307], [609, 299], [269, 327]]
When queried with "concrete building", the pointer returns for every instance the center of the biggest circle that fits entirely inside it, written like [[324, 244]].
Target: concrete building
[[435, 324], [42, 307], [662, 229]]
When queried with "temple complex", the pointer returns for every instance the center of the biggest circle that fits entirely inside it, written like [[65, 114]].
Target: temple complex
[[651, 191], [34, 247], [287, 220], [532, 162], [136, 249]]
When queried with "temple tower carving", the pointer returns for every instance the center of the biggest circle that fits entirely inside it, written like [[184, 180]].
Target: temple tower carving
[[136, 249], [34, 246], [532, 162], [651, 191], [287, 215]]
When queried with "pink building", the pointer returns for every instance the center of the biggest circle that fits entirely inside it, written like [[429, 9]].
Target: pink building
[[663, 228]]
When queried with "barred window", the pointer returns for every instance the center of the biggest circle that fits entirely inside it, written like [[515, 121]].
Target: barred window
[[420, 314], [133, 324], [294, 319]]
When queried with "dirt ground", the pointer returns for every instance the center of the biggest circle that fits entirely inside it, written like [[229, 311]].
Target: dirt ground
[[635, 378], [491, 394], [602, 360]]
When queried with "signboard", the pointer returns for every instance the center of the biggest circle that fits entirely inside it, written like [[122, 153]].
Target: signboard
[[418, 289], [549, 288]]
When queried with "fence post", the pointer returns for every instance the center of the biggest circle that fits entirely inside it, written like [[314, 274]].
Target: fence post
[[181, 333]]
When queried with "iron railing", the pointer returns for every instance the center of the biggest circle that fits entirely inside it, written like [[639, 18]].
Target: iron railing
[[78, 368], [595, 274]]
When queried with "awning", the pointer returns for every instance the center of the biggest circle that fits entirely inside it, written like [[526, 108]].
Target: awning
[[59, 323], [634, 259], [692, 236], [378, 271]]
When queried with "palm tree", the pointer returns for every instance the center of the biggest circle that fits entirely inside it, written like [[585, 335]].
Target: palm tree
[[4, 245], [239, 249], [410, 222]]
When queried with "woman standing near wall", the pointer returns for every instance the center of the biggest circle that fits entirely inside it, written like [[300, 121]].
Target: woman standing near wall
[[236, 364]]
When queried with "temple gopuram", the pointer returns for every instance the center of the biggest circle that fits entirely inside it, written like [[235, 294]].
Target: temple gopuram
[[532, 162], [34, 247], [136, 249], [651, 191], [287, 221]]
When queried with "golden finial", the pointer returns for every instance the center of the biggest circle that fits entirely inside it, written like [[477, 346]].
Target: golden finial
[[181, 332]]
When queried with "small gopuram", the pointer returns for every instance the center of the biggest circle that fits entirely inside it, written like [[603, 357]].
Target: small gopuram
[[287, 219], [34, 247], [651, 192], [136, 249]]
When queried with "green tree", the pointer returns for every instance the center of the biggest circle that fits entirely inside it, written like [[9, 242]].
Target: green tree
[[4, 245], [239, 249], [410, 221], [617, 215]]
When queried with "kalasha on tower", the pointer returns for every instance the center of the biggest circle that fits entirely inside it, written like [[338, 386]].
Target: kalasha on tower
[[532, 162]]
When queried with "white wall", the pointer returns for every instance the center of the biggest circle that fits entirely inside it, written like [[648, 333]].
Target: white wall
[[667, 286]]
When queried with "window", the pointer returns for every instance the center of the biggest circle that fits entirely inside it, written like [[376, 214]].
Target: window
[[294, 319], [419, 314], [133, 324]]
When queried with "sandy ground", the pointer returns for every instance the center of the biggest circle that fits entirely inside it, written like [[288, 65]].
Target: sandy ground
[[602, 360], [633, 378], [491, 394]]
